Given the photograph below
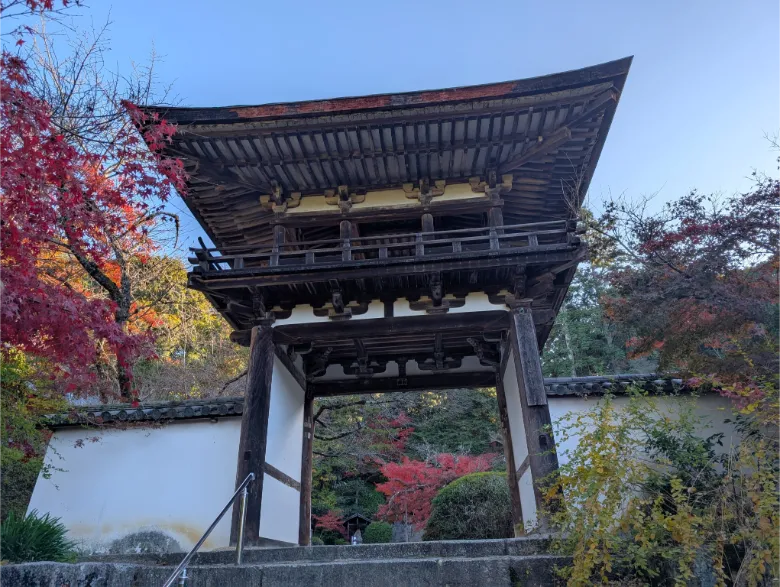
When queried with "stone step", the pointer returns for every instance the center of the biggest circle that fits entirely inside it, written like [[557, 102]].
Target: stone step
[[535, 570], [438, 549]]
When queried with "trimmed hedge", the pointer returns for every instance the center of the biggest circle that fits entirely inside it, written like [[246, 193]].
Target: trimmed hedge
[[474, 507], [378, 533]]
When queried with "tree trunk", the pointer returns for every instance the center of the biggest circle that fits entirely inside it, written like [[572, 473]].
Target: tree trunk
[[569, 348]]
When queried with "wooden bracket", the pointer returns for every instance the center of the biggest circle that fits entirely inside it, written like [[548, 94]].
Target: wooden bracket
[[261, 314], [440, 361], [429, 306], [337, 310], [486, 352], [424, 193], [491, 187], [363, 367], [278, 202], [332, 312], [317, 364], [342, 198]]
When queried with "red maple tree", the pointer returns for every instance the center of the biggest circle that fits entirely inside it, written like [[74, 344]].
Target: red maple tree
[[411, 485], [698, 285], [64, 206], [332, 521]]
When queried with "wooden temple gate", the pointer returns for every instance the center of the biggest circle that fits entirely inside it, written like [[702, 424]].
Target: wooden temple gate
[[392, 243]]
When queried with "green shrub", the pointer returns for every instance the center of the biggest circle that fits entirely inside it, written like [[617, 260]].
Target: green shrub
[[34, 538], [316, 541], [475, 506], [377, 533]]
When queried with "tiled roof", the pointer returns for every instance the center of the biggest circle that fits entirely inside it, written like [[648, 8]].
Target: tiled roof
[[233, 406], [148, 412], [235, 154], [650, 382]]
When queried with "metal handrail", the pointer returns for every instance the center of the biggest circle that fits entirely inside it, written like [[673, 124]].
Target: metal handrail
[[181, 571]]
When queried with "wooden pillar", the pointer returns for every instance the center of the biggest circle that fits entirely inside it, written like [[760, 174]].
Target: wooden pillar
[[542, 459], [427, 224], [254, 429], [304, 527], [509, 453], [345, 234], [495, 222], [278, 246]]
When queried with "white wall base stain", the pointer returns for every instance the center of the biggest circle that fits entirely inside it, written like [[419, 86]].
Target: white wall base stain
[[173, 479], [158, 487]]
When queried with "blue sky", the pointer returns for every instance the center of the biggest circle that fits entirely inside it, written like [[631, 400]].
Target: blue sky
[[701, 95]]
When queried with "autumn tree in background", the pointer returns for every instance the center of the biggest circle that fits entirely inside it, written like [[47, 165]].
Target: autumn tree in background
[[81, 194], [411, 485], [194, 356], [699, 287], [656, 499]]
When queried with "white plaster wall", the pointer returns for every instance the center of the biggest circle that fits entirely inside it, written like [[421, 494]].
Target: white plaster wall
[[515, 411], [172, 479], [280, 508], [285, 422], [469, 364], [280, 511], [396, 198], [475, 302], [712, 408], [304, 314], [527, 499]]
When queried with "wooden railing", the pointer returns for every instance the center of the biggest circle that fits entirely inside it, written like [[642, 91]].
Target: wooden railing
[[448, 243]]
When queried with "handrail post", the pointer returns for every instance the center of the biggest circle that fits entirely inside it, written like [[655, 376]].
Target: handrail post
[[180, 572], [241, 521]]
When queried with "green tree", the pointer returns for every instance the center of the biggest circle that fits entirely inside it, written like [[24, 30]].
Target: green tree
[[584, 341], [649, 498]]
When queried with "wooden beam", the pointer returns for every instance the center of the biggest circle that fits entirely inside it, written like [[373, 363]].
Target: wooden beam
[[281, 476], [511, 472], [331, 217], [442, 380], [523, 336], [285, 359], [489, 321], [562, 134], [375, 268], [549, 143], [542, 457], [304, 526], [254, 430]]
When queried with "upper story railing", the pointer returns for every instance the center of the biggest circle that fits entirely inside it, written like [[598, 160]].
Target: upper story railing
[[419, 245]]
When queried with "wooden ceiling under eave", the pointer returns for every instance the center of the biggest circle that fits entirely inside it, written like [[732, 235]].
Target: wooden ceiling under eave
[[547, 132]]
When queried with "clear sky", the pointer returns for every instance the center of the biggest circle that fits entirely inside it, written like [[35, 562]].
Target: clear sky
[[702, 92]]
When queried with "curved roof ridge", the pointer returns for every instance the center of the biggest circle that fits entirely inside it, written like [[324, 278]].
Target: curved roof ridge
[[616, 71]]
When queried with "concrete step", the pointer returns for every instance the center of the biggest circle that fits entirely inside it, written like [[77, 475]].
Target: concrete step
[[439, 549], [499, 571]]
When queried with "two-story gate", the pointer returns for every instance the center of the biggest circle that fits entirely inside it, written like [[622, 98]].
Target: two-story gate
[[392, 243]]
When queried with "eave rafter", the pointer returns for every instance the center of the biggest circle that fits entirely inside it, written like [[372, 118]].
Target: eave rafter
[[561, 135]]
